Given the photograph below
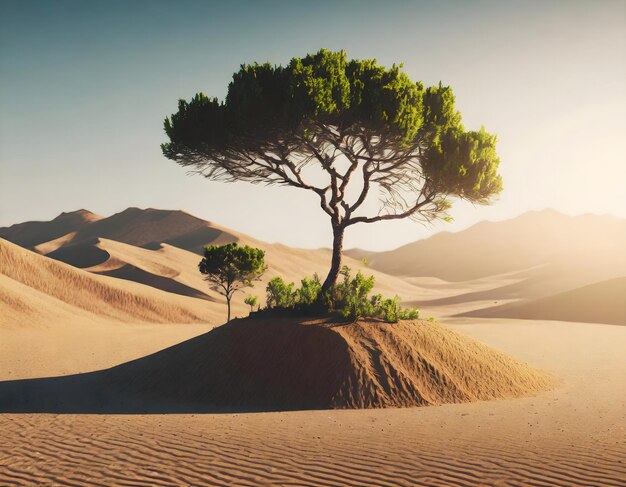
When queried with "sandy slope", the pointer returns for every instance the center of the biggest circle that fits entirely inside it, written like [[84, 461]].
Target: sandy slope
[[573, 435], [37, 289], [601, 302]]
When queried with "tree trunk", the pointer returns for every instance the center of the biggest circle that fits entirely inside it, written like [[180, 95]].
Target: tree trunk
[[228, 304], [335, 265]]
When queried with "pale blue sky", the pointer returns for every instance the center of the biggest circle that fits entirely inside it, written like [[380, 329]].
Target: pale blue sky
[[85, 86]]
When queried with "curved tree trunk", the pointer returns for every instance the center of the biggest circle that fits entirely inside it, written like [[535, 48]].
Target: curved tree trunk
[[335, 266]]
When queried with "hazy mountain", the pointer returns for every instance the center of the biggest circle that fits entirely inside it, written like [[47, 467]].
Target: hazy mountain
[[589, 242], [601, 302]]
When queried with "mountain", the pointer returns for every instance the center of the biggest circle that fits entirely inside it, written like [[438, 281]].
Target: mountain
[[589, 243]]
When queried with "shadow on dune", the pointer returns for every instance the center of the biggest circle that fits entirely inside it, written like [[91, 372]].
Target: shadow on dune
[[230, 369], [82, 255], [132, 273]]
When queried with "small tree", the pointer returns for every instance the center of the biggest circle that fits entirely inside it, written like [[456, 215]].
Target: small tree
[[362, 128], [230, 268], [251, 301]]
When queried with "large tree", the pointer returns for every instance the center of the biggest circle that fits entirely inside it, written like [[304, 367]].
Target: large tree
[[361, 125]]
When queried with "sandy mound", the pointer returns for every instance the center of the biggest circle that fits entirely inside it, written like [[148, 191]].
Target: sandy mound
[[36, 286], [279, 364], [602, 302]]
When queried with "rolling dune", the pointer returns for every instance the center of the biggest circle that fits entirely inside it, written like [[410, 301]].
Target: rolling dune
[[601, 302], [63, 285], [30, 234], [160, 248]]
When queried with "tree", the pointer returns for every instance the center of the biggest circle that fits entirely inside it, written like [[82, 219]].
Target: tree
[[355, 125], [251, 301], [230, 268]]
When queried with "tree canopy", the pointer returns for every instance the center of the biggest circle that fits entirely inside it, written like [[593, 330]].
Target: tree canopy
[[230, 268], [353, 119]]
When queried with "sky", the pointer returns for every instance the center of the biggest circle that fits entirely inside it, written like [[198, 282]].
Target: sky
[[85, 86]]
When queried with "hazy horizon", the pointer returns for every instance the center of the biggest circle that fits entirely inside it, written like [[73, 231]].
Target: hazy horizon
[[86, 87]]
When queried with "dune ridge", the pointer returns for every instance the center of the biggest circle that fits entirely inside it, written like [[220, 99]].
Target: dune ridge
[[30, 234]]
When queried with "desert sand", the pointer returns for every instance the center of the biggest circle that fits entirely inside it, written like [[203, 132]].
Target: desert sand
[[60, 320]]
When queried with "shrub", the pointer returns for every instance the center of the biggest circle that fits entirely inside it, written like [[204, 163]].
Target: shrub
[[309, 292], [251, 301], [350, 298], [352, 295], [280, 294]]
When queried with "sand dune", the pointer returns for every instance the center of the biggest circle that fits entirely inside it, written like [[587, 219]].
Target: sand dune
[[159, 248], [602, 302], [282, 364], [31, 279], [591, 243], [30, 234], [150, 227]]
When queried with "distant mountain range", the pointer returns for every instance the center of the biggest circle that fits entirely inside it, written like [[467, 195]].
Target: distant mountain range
[[536, 238]]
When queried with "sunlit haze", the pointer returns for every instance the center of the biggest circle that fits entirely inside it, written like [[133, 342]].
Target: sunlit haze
[[86, 85]]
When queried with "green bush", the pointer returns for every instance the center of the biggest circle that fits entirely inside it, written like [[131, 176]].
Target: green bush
[[350, 298], [251, 301], [309, 292], [280, 294], [352, 295]]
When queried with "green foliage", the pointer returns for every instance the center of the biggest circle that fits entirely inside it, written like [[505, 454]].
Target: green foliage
[[350, 298], [251, 301], [280, 294], [391, 311], [352, 295], [231, 267], [309, 292], [231, 263], [268, 103]]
